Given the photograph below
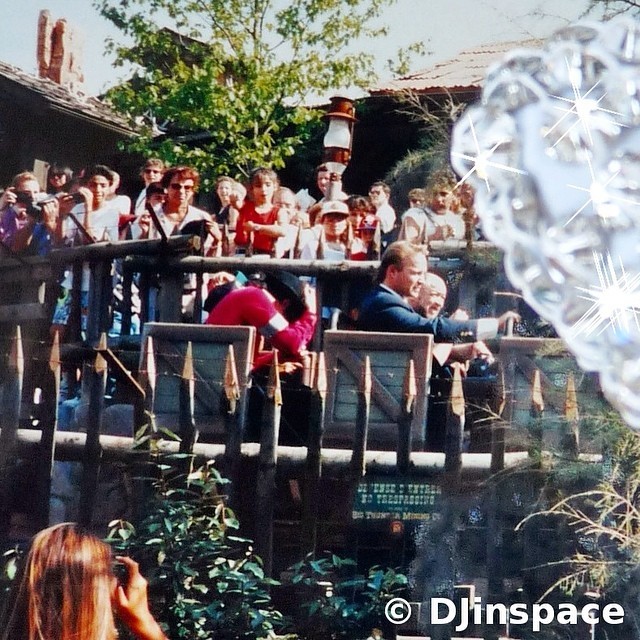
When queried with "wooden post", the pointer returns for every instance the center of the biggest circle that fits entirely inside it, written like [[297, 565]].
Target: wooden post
[[100, 293], [362, 424], [75, 313], [10, 421], [266, 480], [188, 433], [127, 296], [571, 436], [148, 374], [197, 302], [137, 392], [498, 429], [454, 431], [144, 291], [313, 465], [92, 450], [234, 425], [170, 297], [536, 412], [405, 418], [49, 428]]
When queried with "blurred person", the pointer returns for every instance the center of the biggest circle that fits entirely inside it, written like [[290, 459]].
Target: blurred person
[[123, 204], [379, 193], [332, 228], [14, 202], [260, 217], [152, 171], [416, 223], [175, 209], [43, 230], [58, 179], [448, 223], [227, 213], [67, 590], [329, 185], [282, 308], [429, 302], [364, 223], [297, 220]]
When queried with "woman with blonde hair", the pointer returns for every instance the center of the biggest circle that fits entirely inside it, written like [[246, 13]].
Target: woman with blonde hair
[[67, 590]]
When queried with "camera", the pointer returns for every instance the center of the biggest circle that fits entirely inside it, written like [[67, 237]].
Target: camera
[[121, 572], [33, 204]]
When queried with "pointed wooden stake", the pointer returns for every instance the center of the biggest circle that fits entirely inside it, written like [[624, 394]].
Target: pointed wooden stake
[[100, 365], [231, 384], [405, 418], [571, 413], [274, 388]]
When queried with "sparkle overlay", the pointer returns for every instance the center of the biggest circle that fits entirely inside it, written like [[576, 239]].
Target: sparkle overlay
[[553, 152], [616, 300], [481, 161]]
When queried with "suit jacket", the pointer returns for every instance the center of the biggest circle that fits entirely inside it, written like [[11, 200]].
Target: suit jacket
[[385, 310]]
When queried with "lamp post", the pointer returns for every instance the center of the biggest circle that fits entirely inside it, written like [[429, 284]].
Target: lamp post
[[338, 140]]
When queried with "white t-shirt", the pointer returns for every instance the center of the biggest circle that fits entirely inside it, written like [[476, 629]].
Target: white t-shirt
[[387, 216], [103, 221]]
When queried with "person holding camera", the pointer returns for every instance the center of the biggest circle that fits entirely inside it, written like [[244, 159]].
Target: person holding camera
[[67, 588], [14, 202]]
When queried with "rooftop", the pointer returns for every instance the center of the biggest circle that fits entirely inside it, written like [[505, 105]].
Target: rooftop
[[61, 98], [463, 73]]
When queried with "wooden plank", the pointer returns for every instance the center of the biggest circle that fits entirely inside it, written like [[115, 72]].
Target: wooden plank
[[266, 478], [210, 350], [10, 419], [345, 351], [93, 450], [23, 312]]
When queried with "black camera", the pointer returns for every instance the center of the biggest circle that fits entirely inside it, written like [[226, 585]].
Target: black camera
[[33, 204]]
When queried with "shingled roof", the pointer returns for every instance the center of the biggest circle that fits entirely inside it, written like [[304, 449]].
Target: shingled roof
[[464, 73], [16, 82]]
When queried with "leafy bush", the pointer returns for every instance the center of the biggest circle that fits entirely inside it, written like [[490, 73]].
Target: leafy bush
[[333, 602], [204, 581]]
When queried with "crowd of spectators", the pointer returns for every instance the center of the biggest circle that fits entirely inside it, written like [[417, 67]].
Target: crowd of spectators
[[262, 218]]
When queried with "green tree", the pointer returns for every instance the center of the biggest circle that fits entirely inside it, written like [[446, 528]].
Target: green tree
[[614, 7], [229, 80]]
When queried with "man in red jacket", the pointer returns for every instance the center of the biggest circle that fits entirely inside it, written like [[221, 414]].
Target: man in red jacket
[[284, 313], [283, 310]]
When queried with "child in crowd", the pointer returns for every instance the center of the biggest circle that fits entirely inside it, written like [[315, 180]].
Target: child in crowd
[[261, 221]]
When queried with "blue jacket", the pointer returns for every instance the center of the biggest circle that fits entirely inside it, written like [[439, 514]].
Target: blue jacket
[[385, 310]]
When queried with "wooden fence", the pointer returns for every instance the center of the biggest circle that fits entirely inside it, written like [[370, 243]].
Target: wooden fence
[[173, 381]]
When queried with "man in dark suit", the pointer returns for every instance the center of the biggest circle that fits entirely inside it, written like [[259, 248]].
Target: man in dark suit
[[401, 275]]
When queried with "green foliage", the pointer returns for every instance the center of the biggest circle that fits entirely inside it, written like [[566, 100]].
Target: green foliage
[[229, 80], [337, 602], [205, 581], [614, 7]]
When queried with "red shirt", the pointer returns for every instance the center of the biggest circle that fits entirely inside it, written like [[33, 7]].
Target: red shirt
[[251, 306], [261, 242]]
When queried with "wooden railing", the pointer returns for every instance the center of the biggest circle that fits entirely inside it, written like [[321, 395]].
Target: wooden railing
[[350, 461]]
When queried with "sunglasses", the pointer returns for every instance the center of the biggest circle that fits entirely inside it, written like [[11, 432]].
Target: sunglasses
[[176, 186]]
